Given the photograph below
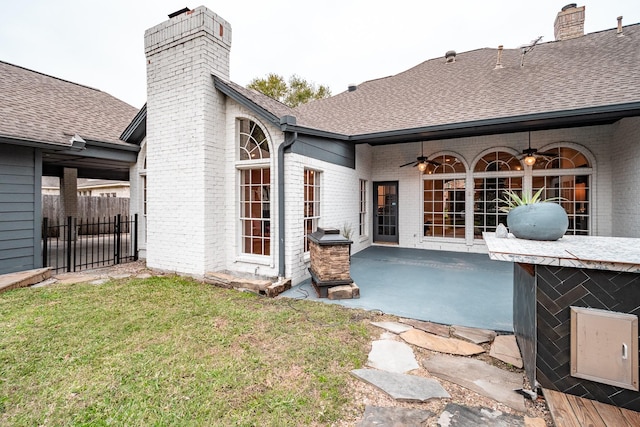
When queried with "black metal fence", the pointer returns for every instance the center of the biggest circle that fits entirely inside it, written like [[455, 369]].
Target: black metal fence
[[79, 244]]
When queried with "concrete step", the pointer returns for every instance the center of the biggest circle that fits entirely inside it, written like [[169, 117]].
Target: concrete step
[[22, 279]]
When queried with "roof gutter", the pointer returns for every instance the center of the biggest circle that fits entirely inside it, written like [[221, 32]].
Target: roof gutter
[[538, 121], [124, 146], [315, 132], [74, 145]]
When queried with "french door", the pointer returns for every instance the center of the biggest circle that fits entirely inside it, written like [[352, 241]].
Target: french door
[[385, 212]]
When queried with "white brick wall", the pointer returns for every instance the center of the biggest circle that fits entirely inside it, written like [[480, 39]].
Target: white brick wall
[[625, 154], [594, 140], [186, 135], [339, 204]]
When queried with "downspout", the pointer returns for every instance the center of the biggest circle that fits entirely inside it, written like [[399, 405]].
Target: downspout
[[290, 139]]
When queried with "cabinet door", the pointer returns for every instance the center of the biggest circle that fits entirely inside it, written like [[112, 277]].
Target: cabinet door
[[604, 347]]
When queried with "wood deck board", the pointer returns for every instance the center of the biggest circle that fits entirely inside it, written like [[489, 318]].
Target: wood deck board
[[609, 415], [585, 412], [561, 410], [633, 417], [573, 411]]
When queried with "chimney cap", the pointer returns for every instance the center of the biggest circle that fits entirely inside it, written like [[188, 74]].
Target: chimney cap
[[179, 12], [450, 56], [570, 6]]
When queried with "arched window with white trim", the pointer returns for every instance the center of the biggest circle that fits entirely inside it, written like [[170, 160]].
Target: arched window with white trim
[[566, 173], [254, 168], [494, 173], [444, 183]]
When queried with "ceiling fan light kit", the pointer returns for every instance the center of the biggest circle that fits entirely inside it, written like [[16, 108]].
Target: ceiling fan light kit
[[530, 155], [421, 161]]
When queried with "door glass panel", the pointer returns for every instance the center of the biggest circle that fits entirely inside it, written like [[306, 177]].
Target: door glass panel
[[386, 212]]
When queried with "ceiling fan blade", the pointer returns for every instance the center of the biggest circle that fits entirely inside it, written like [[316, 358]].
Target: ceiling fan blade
[[407, 164], [546, 154], [433, 162]]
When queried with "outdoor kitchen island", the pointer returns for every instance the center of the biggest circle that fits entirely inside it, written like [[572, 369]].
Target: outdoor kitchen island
[[576, 303]]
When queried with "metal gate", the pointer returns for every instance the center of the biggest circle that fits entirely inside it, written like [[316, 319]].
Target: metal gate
[[80, 244]]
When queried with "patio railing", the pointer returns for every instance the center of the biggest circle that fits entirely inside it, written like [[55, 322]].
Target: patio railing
[[79, 244]]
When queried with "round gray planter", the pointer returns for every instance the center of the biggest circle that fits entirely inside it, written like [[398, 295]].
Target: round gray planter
[[538, 221]]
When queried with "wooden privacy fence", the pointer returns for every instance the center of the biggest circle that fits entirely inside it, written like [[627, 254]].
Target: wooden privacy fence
[[93, 212]]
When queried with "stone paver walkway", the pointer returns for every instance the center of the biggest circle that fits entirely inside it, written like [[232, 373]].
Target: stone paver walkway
[[403, 387], [455, 415], [375, 416], [393, 361], [395, 327], [392, 356], [505, 348], [480, 377], [476, 336], [441, 344]]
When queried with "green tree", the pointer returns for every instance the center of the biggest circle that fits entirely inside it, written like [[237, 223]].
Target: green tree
[[292, 93]]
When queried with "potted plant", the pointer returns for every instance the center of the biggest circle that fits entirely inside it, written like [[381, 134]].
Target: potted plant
[[530, 217]]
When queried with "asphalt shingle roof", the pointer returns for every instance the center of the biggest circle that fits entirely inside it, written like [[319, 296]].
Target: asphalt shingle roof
[[271, 105], [597, 69], [41, 108]]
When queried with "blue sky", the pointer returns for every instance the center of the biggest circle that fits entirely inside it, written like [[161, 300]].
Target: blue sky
[[101, 43]]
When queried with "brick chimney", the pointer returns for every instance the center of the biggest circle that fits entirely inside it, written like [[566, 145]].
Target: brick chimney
[[569, 23], [186, 140]]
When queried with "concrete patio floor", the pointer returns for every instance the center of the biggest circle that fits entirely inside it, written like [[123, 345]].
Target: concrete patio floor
[[451, 288]]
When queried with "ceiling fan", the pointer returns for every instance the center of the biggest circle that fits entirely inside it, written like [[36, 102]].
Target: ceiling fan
[[530, 155], [421, 161]]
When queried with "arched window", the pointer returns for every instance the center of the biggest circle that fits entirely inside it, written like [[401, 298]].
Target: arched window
[[566, 173], [444, 198], [253, 141], [496, 172], [255, 188]]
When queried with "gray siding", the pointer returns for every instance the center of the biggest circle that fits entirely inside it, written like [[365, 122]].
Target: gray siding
[[19, 203]]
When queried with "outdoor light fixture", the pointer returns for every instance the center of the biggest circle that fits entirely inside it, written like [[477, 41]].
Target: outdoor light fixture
[[421, 161], [530, 154]]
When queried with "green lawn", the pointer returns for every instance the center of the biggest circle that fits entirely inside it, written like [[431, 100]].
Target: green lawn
[[172, 351]]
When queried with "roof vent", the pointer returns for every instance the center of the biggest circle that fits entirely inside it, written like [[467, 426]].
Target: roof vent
[[450, 56], [499, 61], [179, 12], [620, 26], [352, 87]]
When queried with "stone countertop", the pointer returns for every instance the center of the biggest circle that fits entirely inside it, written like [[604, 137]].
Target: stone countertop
[[592, 252]]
